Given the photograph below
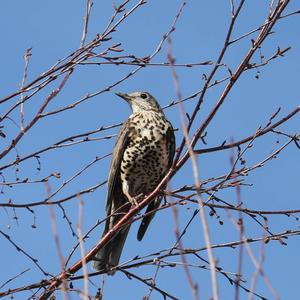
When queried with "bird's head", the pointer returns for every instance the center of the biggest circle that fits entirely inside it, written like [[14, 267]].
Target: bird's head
[[141, 101]]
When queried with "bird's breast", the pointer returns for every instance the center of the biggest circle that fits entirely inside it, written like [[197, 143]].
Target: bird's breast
[[145, 159]]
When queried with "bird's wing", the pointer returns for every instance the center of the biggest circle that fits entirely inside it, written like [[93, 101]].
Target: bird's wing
[[114, 182], [116, 207], [171, 145], [170, 138]]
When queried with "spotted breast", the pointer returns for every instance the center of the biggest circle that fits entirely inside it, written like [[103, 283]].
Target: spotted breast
[[146, 158]]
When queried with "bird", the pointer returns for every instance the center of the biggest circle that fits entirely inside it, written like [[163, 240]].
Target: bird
[[142, 156]]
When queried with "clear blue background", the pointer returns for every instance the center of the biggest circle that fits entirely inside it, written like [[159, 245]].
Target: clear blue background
[[53, 30]]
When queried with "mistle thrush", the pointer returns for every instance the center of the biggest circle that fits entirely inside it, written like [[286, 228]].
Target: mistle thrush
[[142, 156]]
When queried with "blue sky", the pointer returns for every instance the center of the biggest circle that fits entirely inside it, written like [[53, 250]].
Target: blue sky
[[53, 30]]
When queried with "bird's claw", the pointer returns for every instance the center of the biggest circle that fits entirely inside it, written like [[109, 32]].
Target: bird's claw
[[135, 200]]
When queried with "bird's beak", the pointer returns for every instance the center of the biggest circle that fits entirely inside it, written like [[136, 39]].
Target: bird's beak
[[124, 96]]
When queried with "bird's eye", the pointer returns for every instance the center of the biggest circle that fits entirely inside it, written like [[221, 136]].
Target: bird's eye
[[144, 95]]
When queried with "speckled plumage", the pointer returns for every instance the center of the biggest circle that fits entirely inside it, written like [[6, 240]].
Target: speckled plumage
[[143, 154]]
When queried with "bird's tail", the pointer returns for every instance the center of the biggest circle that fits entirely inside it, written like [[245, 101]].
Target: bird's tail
[[109, 256]]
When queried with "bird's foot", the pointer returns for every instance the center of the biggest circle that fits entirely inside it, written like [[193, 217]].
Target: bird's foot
[[135, 200]]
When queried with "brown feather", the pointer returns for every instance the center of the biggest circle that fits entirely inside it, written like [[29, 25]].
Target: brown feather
[[117, 205]]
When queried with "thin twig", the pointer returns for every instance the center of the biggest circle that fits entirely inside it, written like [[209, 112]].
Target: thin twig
[[89, 4]]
